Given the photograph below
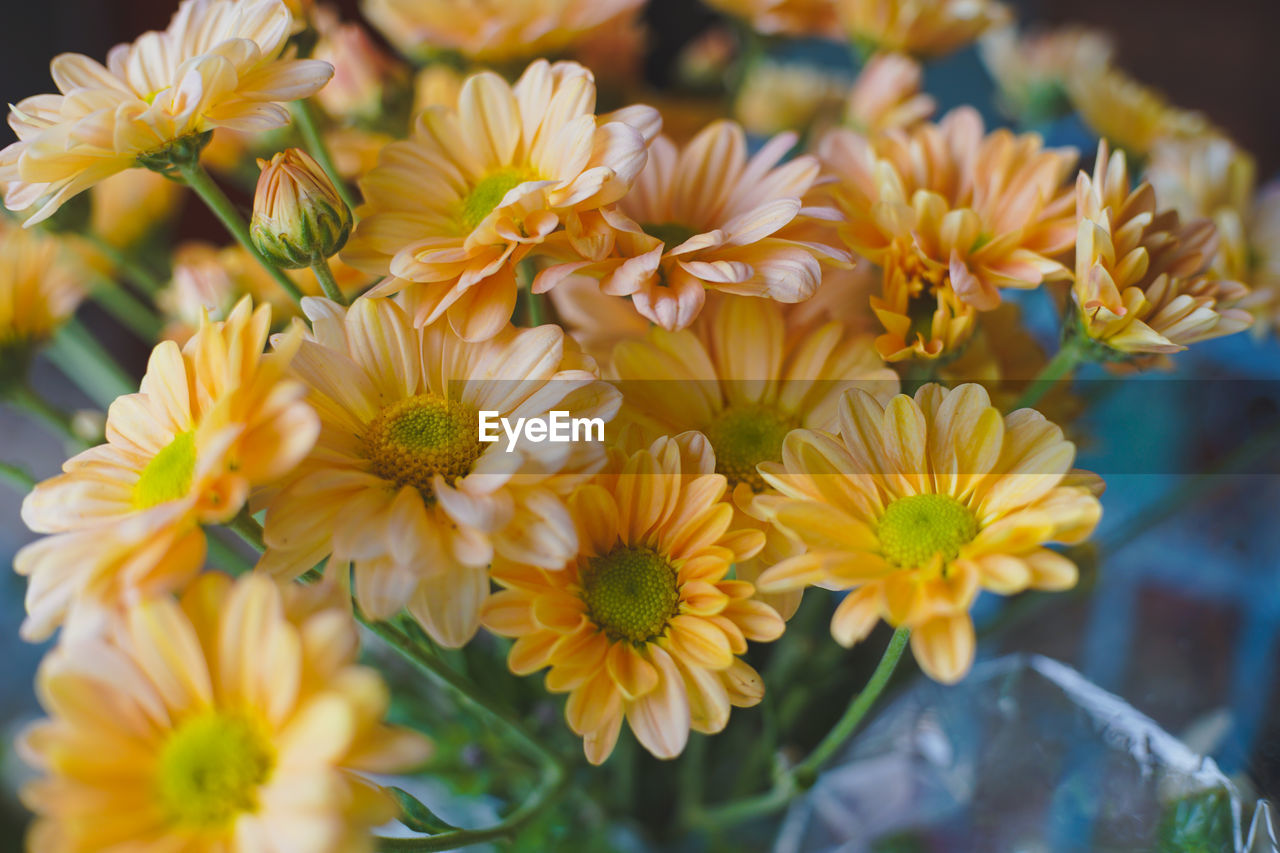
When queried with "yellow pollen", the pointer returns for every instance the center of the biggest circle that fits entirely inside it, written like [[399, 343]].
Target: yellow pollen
[[915, 528], [168, 475], [210, 770], [488, 194], [631, 593], [745, 436], [411, 441]]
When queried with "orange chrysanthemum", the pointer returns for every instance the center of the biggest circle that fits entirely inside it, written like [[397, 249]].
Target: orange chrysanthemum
[[923, 28], [784, 17]]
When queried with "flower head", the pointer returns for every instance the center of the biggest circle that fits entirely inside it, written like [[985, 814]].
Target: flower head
[[785, 17], [220, 63], [1143, 283], [41, 283], [365, 79], [918, 504], [211, 421], [919, 27], [400, 484], [491, 30], [887, 95], [642, 623], [703, 217], [450, 211], [126, 207], [780, 96], [198, 725], [1127, 113], [298, 216], [1034, 71]]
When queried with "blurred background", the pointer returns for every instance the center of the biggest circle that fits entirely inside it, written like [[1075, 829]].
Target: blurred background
[[1180, 618]]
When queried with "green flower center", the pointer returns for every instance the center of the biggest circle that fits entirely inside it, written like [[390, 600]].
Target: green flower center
[[488, 194], [745, 436], [671, 234], [168, 475], [915, 528], [411, 441], [211, 768], [631, 593]]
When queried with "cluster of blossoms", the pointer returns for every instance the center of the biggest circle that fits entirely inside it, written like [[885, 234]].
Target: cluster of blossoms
[[741, 314]]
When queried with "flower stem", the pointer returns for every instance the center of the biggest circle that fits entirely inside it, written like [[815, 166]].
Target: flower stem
[[24, 398], [802, 776], [17, 477], [212, 195], [327, 282], [248, 528], [305, 115], [145, 280], [1067, 359], [87, 364]]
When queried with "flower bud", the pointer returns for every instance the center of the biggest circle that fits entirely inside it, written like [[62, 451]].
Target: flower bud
[[298, 216]]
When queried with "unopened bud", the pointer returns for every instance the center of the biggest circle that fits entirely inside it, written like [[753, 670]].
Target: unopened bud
[[298, 216]]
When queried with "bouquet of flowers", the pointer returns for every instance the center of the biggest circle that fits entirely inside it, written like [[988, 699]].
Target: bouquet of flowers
[[525, 430]]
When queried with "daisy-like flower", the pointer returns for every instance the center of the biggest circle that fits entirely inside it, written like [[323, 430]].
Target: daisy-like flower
[[785, 17], [235, 720], [917, 505], [221, 63], [745, 375], [925, 28], [400, 484], [703, 217], [951, 216], [1143, 282], [491, 30], [887, 95], [451, 211], [781, 96], [1127, 113], [1034, 70], [41, 283], [211, 421], [643, 622]]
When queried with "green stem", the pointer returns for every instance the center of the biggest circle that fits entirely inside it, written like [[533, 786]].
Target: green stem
[[802, 776], [305, 115], [212, 195], [17, 477], [225, 556], [145, 280], [249, 529], [88, 365], [1068, 357], [132, 313], [327, 282], [24, 398]]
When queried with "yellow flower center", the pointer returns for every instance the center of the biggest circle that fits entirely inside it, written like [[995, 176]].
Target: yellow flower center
[[411, 441], [671, 234], [168, 475], [915, 528], [745, 436], [488, 194], [631, 593], [210, 769]]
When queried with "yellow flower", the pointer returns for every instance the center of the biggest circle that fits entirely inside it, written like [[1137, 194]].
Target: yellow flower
[[1264, 242], [41, 283], [1128, 114], [450, 211], [399, 483], [785, 17], [127, 207], [922, 28], [219, 64], [917, 505], [643, 622], [212, 420], [298, 216], [1032, 71], [702, 217], [951, 216], [491, 30], [235, 720], [1143, 283], [887, 95], [780, 96]]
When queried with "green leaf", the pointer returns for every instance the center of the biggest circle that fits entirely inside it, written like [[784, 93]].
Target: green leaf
[[418, 817], [1199, 823]]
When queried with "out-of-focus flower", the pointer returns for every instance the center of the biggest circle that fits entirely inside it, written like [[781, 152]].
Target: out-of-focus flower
[[704, 61], [1143, 282], [400, 483], [887, 95], [219, 64], [128, 206], [365, 80], [642, 623], [450, 211], [355, 150], [785, 17], [211, 421], [298, 216], [1033, 71], [779, 96], [924, 28], [196, 725], [702, 217], [745, 375], [491, 30], [917, 505], [1264, 244], [951, 216], [41, 284], [1128, 114], [437, 85], [615, 53]]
